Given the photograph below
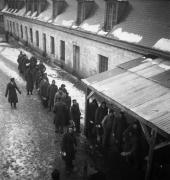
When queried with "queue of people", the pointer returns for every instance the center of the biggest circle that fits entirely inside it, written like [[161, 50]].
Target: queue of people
[[56, 99]]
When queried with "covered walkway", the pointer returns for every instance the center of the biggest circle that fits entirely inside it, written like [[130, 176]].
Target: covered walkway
[[141, 88]]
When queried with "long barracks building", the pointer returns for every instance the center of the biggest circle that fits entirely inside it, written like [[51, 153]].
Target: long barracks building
[[91, 36]]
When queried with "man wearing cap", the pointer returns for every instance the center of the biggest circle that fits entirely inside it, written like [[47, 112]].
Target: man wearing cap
[[75, 115], [11, 92]]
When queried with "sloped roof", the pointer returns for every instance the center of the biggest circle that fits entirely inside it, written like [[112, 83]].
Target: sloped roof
[[149, 20], [146, 22], [140, 86]]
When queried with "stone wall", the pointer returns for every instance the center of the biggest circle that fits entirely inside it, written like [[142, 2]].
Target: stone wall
[[89, 49]]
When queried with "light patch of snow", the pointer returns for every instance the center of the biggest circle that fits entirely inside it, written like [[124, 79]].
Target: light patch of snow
[[11, 53], [68, 17], [126, 36], [11, 73], [15, 11], [21, 12], [95, 22], [47, 14], [102, 33], [67, 23], [91, 28], [28, 13], [164, 66], [5, 8], [163, 44], [34, 14]]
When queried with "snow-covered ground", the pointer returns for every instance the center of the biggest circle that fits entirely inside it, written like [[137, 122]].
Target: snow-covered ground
[[11, 54]]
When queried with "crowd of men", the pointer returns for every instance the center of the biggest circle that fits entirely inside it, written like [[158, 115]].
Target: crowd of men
[[56, 99], [122, 142]]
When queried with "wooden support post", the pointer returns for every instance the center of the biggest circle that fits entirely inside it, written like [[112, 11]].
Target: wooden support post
[[88, 91], [145, 131], [150, 156]]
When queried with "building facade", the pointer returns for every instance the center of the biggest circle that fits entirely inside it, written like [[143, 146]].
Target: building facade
[[73, 33]]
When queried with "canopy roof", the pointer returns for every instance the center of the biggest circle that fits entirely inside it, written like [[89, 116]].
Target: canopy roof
[[141, 87]]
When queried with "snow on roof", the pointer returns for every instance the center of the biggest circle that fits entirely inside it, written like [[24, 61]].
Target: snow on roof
[[143, 24], [21, 12], [5, 8], [162, 44], [126, 36], [47, 14], [68, 17], [96, 21]]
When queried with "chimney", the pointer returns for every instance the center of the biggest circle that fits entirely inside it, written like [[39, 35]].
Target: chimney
[[41, 6], [84, 9], [58, 7], [113, 12]]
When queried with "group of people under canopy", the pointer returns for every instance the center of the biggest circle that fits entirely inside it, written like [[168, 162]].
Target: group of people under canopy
[[122, 142]]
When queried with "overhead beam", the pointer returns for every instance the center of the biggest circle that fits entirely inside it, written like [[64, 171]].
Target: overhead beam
[[161, 145], [90, 95], [146, 132]]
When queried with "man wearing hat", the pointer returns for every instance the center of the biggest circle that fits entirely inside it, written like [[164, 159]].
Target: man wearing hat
[[11, 92], [68, 148]]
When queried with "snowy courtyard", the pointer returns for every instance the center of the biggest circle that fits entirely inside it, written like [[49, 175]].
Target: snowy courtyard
[[30, 149]]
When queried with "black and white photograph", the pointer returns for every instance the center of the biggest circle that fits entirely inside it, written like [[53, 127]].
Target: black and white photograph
[[84, 89]]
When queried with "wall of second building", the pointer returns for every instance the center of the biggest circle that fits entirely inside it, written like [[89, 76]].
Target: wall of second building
[[89, 49]]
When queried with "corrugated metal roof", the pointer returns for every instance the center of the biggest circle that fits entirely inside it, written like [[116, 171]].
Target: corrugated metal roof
[[141, 86]]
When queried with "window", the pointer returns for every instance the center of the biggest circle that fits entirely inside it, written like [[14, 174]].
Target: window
[[31, 35], [103, 63], [76, 58], [17, 29], [10, 26], [62, 50], [14, 28], [52, 45], [44, 42], [37, 38], [26, 33], [21, 31]]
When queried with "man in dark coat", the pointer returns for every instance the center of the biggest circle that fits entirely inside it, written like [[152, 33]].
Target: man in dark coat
[[38, 78], [119, 126], [63, 88], [107, 128], [131, 154], [60, 115], [68, 147], [75, 115], [29, 80], [19, 60], [52, 91], [101, 112], [67, 101], [44, 89], [92, 107], [11, 92]]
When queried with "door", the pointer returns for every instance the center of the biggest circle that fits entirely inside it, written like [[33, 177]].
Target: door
[[76, 58]]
